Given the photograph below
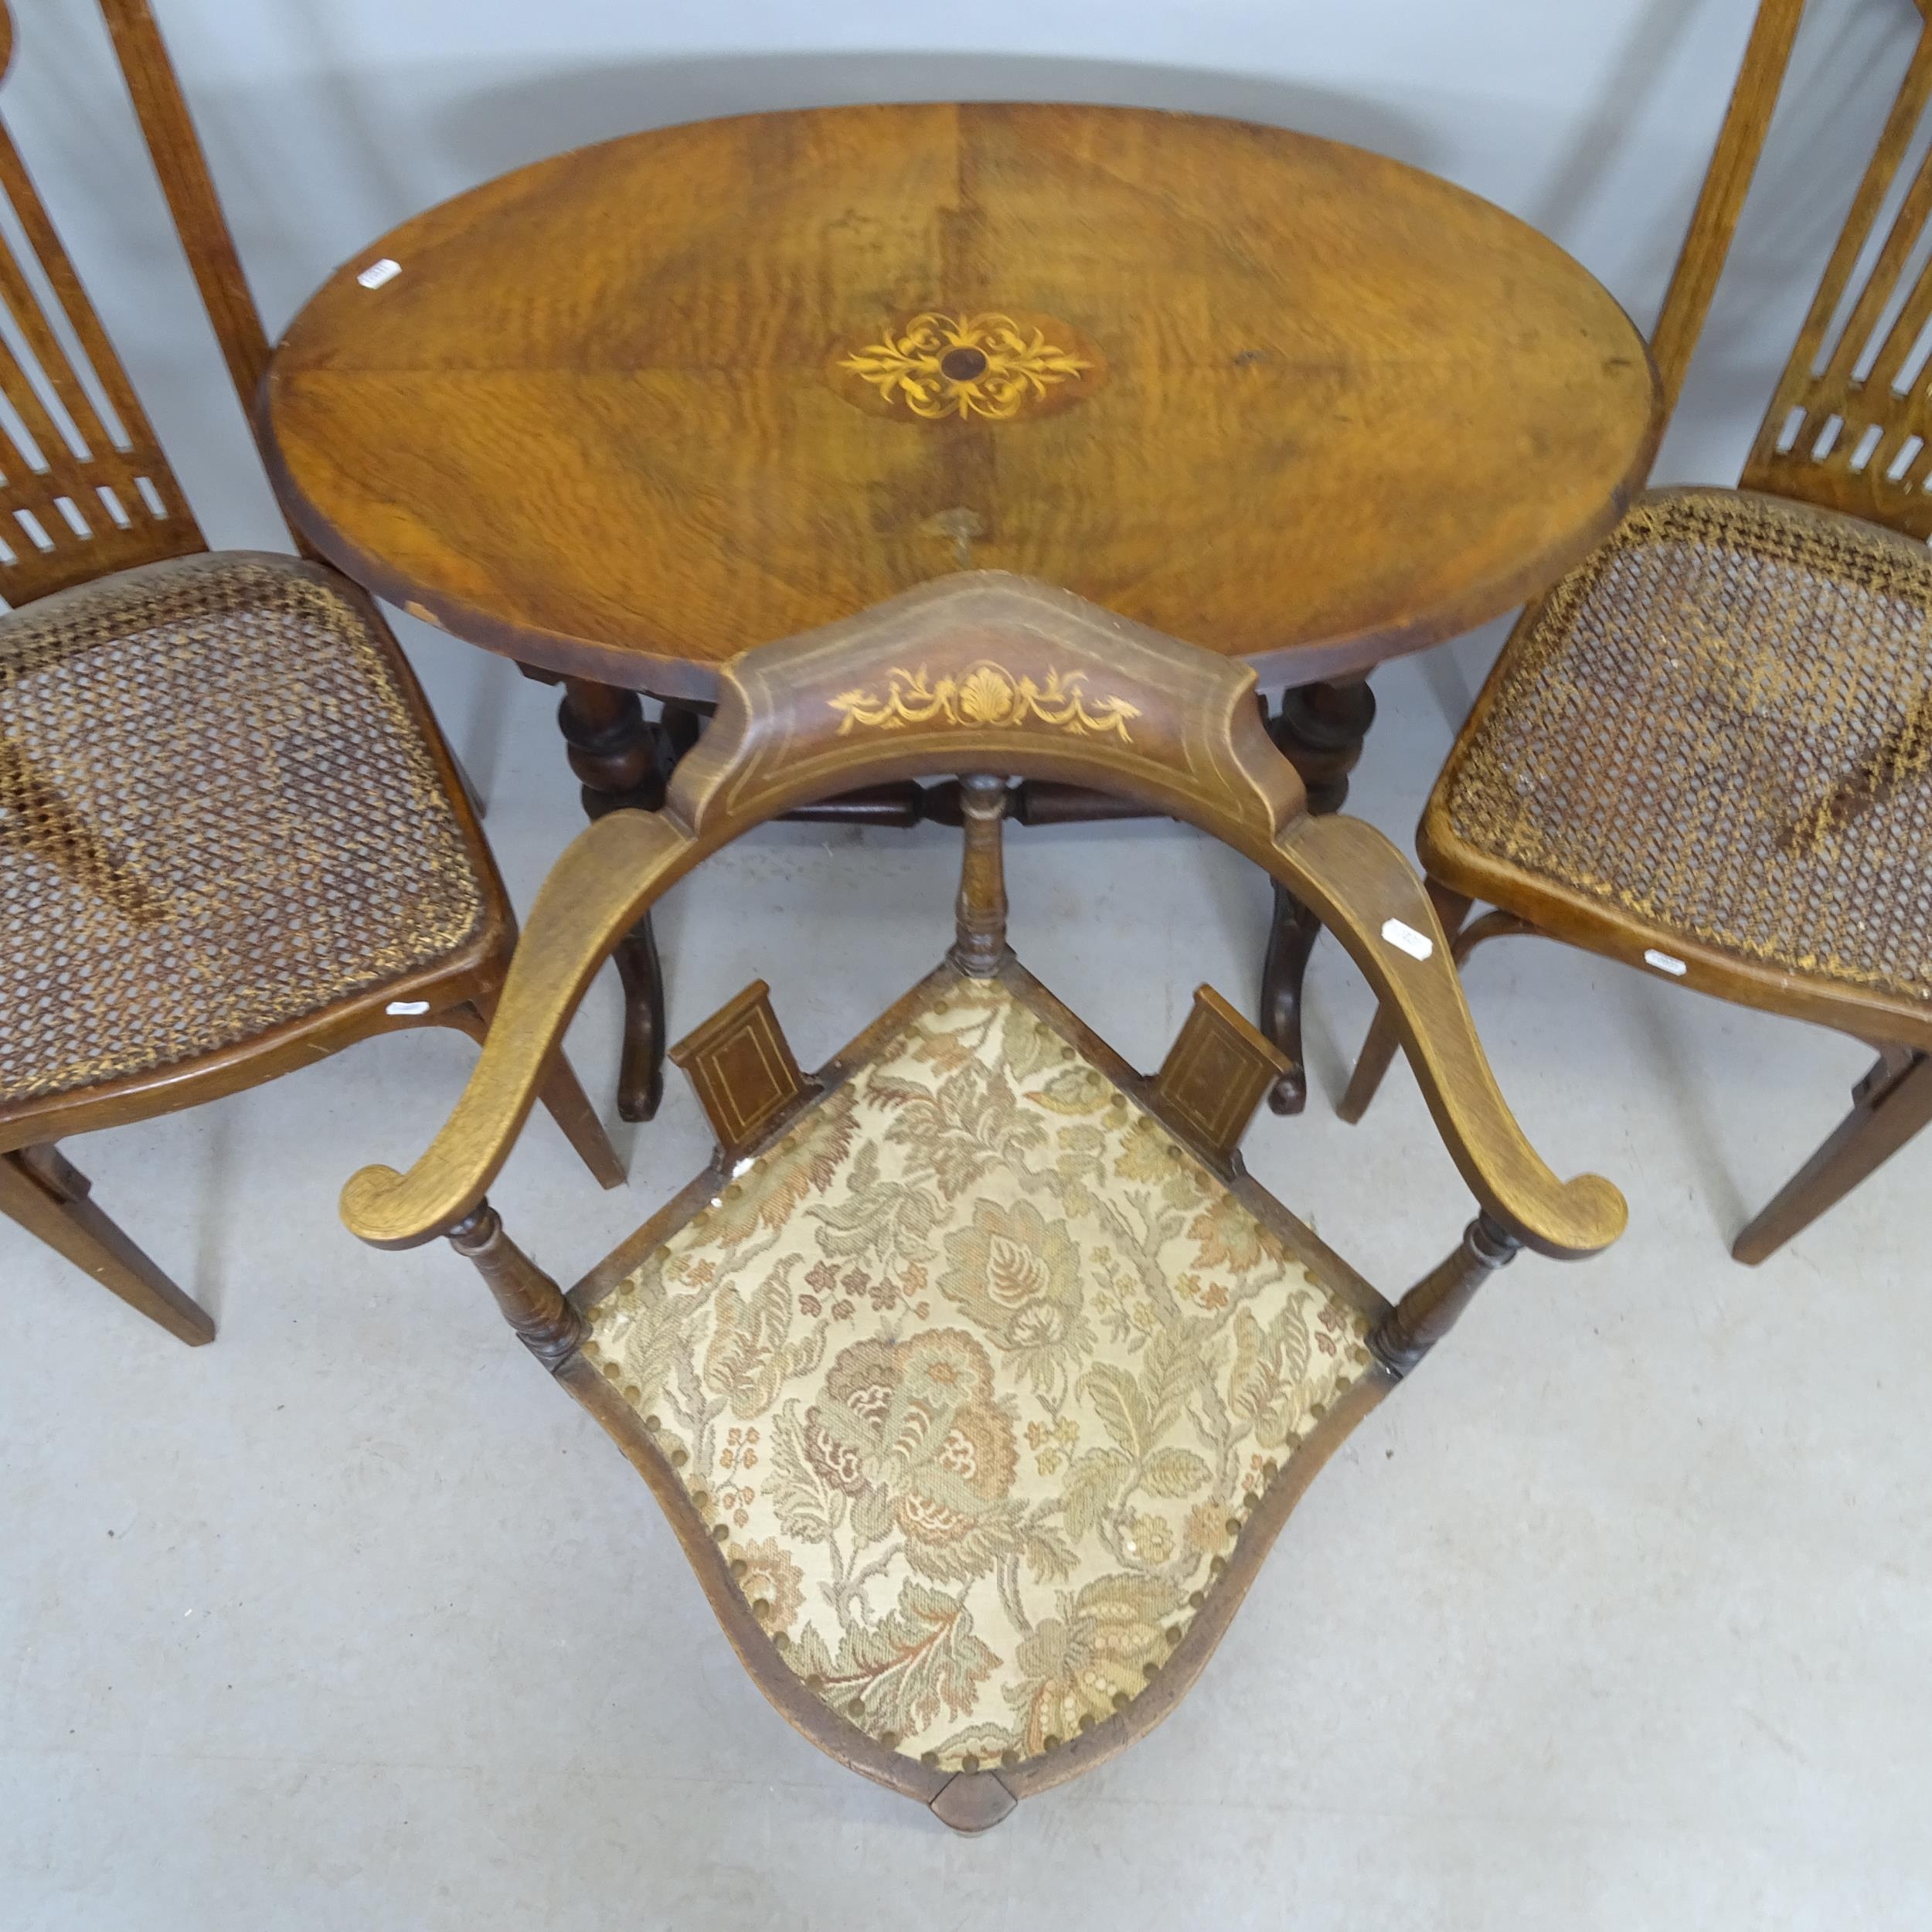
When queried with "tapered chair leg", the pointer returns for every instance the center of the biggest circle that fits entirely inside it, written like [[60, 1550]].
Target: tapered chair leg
[[48, 1197], [1378, 1050], [563, 1093], [1888, 1107]]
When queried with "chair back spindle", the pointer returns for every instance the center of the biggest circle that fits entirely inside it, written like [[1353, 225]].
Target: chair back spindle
[[1849, 426], [84, 487]]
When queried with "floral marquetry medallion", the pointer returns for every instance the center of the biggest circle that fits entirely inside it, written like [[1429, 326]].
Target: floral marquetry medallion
[[935, 367], [976, 1374]]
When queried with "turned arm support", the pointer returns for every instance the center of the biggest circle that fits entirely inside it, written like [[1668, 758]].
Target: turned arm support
[[1370, 898], [606, 881], [532, 1303], [1430, 1309]]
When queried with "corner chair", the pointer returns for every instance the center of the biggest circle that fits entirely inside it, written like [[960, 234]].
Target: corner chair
[[976, 1375]]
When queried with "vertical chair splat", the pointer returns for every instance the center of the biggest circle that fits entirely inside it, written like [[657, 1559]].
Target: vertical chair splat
[[744, 1072], [1216, 1074]]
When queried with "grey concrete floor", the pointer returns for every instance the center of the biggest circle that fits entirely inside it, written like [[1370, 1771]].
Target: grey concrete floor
[[1618, 1616]]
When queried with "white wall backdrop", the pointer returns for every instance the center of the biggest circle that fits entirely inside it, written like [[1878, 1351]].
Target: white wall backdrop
[[328, 121]]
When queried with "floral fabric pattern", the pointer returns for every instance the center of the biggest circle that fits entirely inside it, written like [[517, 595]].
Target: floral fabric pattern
[[975, 1373]]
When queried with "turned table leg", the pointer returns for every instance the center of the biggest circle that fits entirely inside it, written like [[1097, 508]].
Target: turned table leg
[[616, 754], [1320, 729]]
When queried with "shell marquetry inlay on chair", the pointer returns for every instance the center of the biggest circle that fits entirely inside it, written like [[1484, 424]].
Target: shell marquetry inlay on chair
[[231, 840], [975, 1375], [1708, 751]]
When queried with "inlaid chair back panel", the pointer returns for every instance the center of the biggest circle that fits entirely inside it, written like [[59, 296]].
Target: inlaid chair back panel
[[84, 488], [1850, 425]]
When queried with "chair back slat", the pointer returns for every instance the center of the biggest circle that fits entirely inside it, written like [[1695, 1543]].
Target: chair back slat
[[1848, 425], [181, 166], [85, 495]]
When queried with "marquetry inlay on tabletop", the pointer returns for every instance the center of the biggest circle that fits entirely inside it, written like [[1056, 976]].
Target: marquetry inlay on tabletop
[[629, 411]]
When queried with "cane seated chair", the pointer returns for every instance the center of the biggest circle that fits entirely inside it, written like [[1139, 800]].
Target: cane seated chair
[[1708, 750], [976, 1375], [231, 840]]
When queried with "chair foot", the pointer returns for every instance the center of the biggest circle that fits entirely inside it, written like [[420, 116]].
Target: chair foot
[[1888, 1107], [49, 1198], [1378, 1050]]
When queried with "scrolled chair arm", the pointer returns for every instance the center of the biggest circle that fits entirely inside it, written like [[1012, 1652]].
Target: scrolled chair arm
[[608, 877], [1370, 898]]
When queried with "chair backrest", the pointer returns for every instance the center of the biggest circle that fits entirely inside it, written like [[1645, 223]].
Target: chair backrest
[[85, 488], [1849, 427]]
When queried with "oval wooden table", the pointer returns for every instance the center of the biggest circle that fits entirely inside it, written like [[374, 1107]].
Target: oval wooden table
[[628, 411]]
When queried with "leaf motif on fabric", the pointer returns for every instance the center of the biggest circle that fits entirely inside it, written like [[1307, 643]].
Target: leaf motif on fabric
[[806, 1161], [749, 1355], [1118, 1401], [1092, 1488], [921, 1656], [1174, 1472], [888, 1221], [1028, 1045], [1075, 1090], [1265, 1385], [1073, 1664], [954, 1134], [809, 1655], [806, 1506]]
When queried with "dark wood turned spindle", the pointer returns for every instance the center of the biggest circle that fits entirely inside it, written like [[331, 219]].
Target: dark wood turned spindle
[[532, 1303], [980, 946], [1430, 1309]]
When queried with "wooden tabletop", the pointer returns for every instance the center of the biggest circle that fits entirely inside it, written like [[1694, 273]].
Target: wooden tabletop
[[631, 410]]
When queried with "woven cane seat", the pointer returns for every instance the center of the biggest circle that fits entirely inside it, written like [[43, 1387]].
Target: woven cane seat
[[976, 1374], [217, 813], [1721, 724]]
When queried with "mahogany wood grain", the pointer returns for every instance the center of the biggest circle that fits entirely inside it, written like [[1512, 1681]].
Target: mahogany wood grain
[[604, 418]]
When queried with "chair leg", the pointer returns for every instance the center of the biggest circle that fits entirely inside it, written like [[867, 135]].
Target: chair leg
[[1320, 729], [1889, 1105], [1378, 1050], [562, 1093], [621, 759], [48, 1197]]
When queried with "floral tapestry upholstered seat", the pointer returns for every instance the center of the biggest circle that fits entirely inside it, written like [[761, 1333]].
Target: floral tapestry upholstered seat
[[976, 1375]]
